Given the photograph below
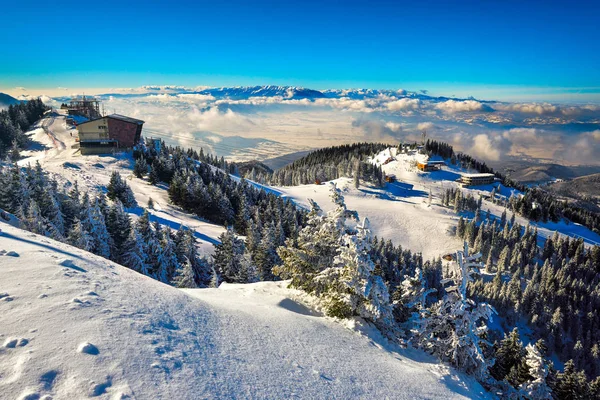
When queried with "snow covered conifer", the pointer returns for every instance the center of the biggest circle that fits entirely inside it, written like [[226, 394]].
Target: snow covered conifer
[[504, 259], [32, 220], [351, 287], [134, 257], [317, 244], [167, 259], [140, 168], [184, 276], [536, 388], [413, 299], [119, 189], [79, 237], [118, 225], [265, 255], [214, 280], [247, 272], [101, 240], [454, 327], [228, 256], [302, 260], [356, 175]]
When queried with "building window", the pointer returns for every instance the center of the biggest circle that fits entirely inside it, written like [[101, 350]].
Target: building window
[[102, 127]]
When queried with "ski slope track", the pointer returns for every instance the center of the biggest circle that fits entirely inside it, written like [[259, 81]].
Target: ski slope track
[[74, 325]]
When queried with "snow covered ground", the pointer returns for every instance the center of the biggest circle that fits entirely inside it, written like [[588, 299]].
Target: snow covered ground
[[74, 325]]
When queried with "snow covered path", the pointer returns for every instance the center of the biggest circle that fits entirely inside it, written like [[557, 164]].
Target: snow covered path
[[74, 325]]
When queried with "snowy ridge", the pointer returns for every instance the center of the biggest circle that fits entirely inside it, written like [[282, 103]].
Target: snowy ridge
[[94, 328]]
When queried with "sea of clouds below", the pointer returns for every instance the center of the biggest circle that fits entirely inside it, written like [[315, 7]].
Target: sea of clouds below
[[266, 126]]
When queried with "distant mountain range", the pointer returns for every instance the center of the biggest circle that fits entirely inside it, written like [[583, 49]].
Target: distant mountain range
[[287, 92], [581, 187], [6, 100], [244, 92], [535, 173]]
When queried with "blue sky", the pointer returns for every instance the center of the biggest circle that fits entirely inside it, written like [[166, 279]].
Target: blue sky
[[488, 46]]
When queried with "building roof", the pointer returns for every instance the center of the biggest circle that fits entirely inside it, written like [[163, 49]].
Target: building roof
[[126, 119], [91, 120], [434, 162], [482, 175], [119, 117]]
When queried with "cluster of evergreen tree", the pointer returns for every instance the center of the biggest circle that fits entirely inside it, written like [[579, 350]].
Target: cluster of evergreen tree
[[539, 205], [349, 160], [455, 197], [264, 218], [536, 204], [14, 122], [100, 227], [155, 161], [555, 288]]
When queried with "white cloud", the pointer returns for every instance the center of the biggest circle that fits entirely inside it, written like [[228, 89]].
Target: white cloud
[[455, 106], [428, 126], [583, 150], [348, 104], [196, 96], [215, 120], [404, 104], [393, 126], [528, 108], [484, 147]]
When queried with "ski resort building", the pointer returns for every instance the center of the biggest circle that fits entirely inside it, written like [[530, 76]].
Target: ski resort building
[[428, 166], [106, 134], [476, 179]]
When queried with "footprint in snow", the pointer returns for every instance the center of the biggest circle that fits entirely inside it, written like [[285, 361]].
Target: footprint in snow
[[6, 297], [30, 395], [99, 389], [48, 379], [11, 343]]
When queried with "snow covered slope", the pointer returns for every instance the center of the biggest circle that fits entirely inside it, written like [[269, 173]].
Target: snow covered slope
[[74, 325]]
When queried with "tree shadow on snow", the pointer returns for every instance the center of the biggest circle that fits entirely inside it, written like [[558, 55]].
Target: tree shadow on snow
[[457, 382], [295, 307], [39, 244], [171, 224]]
